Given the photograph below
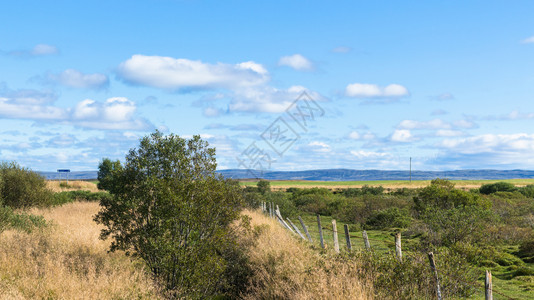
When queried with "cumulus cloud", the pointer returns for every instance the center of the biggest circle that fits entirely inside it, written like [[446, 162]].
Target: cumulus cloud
[[114, 113], [76, 79], [529, 40], [38, 50], [297, 62], [178, 73], [268, 99], [402, 135], [365, 90]]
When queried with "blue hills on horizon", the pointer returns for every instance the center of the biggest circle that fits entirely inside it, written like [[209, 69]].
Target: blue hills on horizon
[[340, 175]]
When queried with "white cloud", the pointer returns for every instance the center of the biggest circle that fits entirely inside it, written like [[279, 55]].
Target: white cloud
[[13, 110], [435, 124], [401, 135], [212, 111], [297, 62], [528, 40], [369, 154], [464, 124], [432, 124], [449, 133], [268, 99], [316, 146], [490, 143], [354, 135], [365, 90], [38, 50], [172, 73], [77, 79], [114, 113], [44, 49]]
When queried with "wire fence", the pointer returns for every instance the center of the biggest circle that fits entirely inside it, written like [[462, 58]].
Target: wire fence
[[275, 213]]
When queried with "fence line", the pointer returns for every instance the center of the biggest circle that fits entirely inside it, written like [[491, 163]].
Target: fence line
[[268, 208]]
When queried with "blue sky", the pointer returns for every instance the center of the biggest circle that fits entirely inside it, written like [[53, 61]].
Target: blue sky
[[448, 83]]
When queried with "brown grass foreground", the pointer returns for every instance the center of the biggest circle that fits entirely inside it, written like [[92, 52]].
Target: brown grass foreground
[[68, 261], [286, 268]]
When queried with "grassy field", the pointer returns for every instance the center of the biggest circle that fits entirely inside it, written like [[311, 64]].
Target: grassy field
[[388, 184], [67, 260]]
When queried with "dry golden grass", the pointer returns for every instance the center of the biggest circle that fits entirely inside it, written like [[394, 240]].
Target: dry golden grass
[[68, 261], [286, 268], [74, 185]]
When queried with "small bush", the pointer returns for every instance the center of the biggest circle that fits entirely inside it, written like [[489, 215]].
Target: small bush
[[527, 191], [71, 196], [22, 188], [24, 222], [501, 186], [392, 217]]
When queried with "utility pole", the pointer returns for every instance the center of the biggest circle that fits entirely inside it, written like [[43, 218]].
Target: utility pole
[[410, 170]]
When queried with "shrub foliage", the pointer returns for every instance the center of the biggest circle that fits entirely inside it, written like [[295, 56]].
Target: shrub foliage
[[171, 209]]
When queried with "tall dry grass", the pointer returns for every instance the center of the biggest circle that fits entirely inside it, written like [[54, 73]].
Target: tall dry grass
[[74, 185], [68, 261], [286, 268]]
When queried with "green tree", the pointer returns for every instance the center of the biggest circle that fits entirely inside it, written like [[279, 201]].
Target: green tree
[[105, 173], [172, 209], [264, 186]]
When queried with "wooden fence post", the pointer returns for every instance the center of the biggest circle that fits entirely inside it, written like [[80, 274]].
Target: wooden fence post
[[320, 230], [277, 212], [296, 228], [271, 209], [433, 266], [366, 240], [398, 248], [305, 229], [336, 241], [489, 286], [347, 237]]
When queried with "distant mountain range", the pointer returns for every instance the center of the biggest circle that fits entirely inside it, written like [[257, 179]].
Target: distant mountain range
[[341, 175]]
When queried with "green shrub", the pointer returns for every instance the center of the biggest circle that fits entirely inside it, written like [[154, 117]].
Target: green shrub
[[527, 191], [442, 194], [413, 278], [21, 221], [392, 217], [461, 224], [500, 186], [22, 188], [287, 207], [252, 198], [264, 186], [71, 196], [364, 190]]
